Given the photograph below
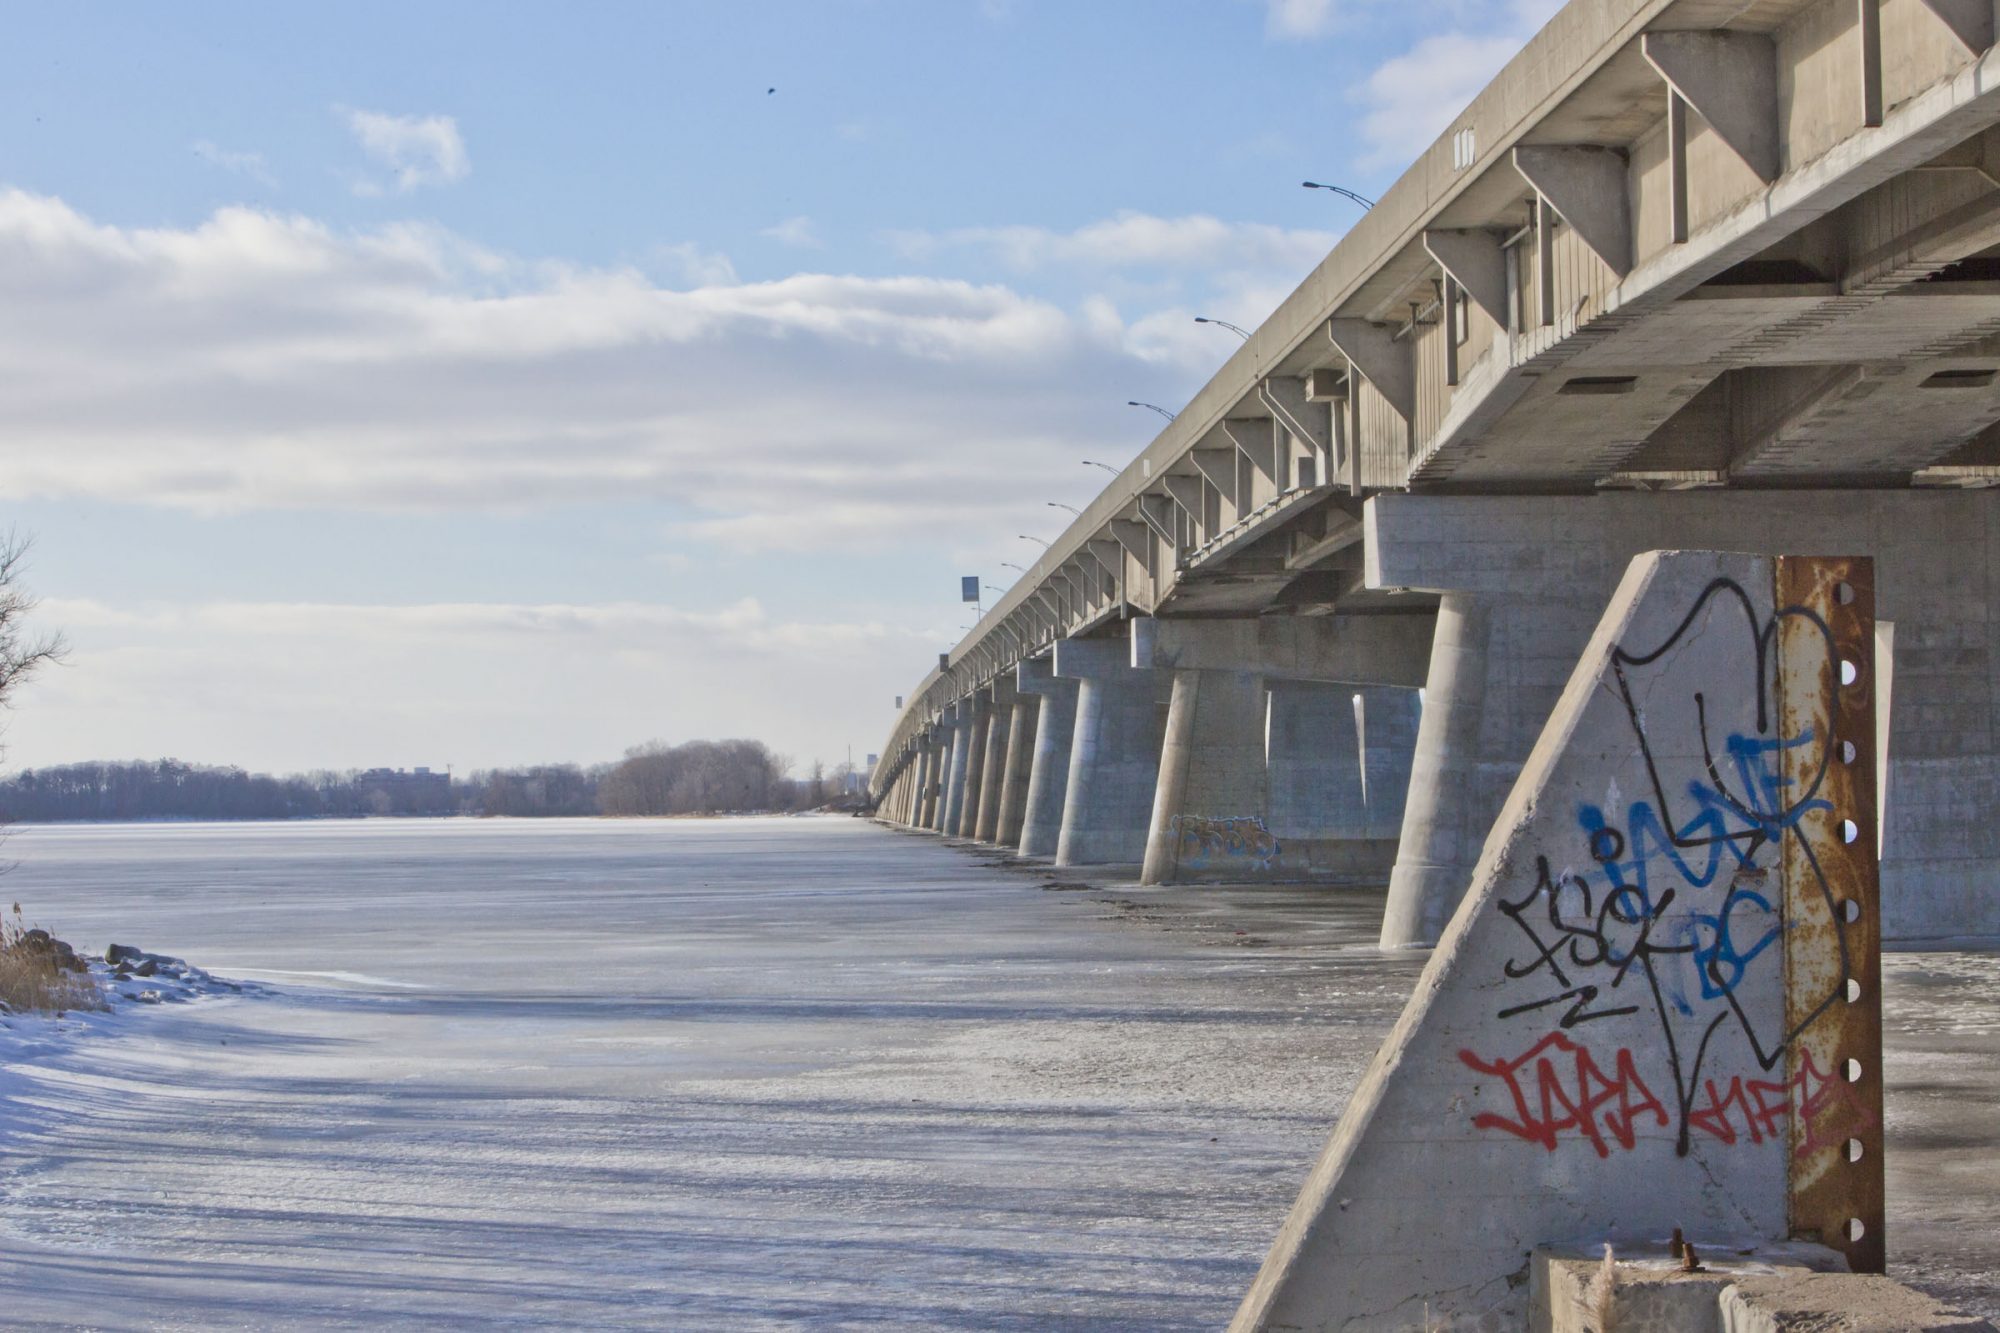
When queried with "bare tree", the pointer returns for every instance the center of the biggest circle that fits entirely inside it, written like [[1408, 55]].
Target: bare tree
[[21, 655]]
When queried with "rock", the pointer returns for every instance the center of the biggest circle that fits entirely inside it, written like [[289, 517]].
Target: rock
[[149, 997], [122, 953], [146, 968]]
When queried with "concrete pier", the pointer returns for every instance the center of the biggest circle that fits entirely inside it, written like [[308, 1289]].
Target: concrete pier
[[1048, 771], [1213, 792], [1022, 726], [978, 713], [999, 727], [951, 802], [1114, 761]]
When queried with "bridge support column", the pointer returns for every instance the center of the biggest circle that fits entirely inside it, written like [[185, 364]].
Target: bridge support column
[[1022, 722], [951, 801], [999, 720], [1212, 794], [1114, 762], [976, 713], [1261, 771], [1048, 767], [923, 806], [1520, 574]]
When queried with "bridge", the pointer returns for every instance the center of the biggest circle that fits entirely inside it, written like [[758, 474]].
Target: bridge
[[1718, 274]]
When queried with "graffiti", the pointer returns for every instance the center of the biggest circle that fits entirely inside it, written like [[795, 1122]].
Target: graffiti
[[1243, 838], [1574, 1094], [1674, 911]]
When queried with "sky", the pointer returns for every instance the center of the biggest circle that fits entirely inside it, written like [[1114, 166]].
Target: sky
[[490, 383]]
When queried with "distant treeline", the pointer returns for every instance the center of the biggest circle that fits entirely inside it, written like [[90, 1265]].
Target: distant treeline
[[697, 777]]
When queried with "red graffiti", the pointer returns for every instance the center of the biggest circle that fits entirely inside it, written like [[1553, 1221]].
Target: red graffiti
[[1763, 1118], [1572, 1094], [1816, 1092]]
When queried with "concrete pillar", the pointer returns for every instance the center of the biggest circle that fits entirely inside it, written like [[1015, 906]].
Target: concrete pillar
[[977, 713], [1114, 762], [923, 805], [1525, 578], [953, 799], [999, 719], [1455, 786], [1388, 719], [1048, 769], [1212, 795], [1022, 726]]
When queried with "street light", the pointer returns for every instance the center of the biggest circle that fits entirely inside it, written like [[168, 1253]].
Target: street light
[[1057, 504], [1340, 190], [1091, 462], [1004, 564], [1026, 538], [1001, 591], [1151, 407], [1244, 334]]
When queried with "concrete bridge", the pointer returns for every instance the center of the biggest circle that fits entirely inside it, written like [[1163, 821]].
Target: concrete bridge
[[1717, 274]]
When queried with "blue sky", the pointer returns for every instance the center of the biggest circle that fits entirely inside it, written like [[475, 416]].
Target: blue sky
[[494, 383]]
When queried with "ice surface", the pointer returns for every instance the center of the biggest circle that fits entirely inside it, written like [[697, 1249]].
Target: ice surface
[[736, 1074], [707, 1075]]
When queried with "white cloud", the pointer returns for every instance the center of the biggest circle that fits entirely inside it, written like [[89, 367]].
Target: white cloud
[[420, 150], [262, 361], [1300, 19], [797, 232], [1134, 240], [688, 262], [1412, 98], [277, 685], [236, 163]]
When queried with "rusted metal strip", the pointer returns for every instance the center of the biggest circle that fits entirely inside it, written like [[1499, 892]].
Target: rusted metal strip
[[1825, 660]]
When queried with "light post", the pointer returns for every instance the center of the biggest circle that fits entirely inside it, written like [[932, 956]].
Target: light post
[[1150, 407], [1026, 538], [1340, 190], [1244, 334], [1057, 504], [1091, 462]]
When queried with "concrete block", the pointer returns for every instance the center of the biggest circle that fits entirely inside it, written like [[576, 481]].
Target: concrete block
[[1637, 1019], [1794, 1302]]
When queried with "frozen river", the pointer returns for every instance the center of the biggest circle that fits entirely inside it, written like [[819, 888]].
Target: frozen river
[[733, 1074]]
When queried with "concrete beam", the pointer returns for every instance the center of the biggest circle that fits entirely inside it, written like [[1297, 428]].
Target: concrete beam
[[1362, 650], [1381, 359], [1475, 258], [1219, 467], [1731, 79], [1586, 185], [1309, 421]]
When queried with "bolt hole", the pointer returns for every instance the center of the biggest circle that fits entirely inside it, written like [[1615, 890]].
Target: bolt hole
[[1851, 1069], [1849, 830], [1848, 752], [1854, 1150], [1843, 593], [1855, 1229], [1850, 910], [1849, 673], [1853, 990]]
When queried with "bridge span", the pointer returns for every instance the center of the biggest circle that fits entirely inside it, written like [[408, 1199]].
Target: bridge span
[[1689, 273]]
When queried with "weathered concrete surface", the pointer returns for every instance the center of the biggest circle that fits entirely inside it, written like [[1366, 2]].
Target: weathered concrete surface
[[1114, 763], [1838, 1303], [1521, 575], [1048, 772], [1606, 1043], [1213, 793], [1021, 727], [1643, 1288], [993, 774], [1319, 797], [978, 711]]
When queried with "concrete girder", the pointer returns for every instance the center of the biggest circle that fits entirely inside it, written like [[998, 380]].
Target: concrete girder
[[1110, 557], [1309, 421], [1186, 492], [1156, 511], [1731, 79], [1476, 260], [1586, 185], [1256, 439], [1361, 650], [1219, 466], [1380, 358], [1971, 21], [1135, 537]]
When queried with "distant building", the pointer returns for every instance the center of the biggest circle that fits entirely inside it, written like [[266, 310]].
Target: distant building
[[396, 791]]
